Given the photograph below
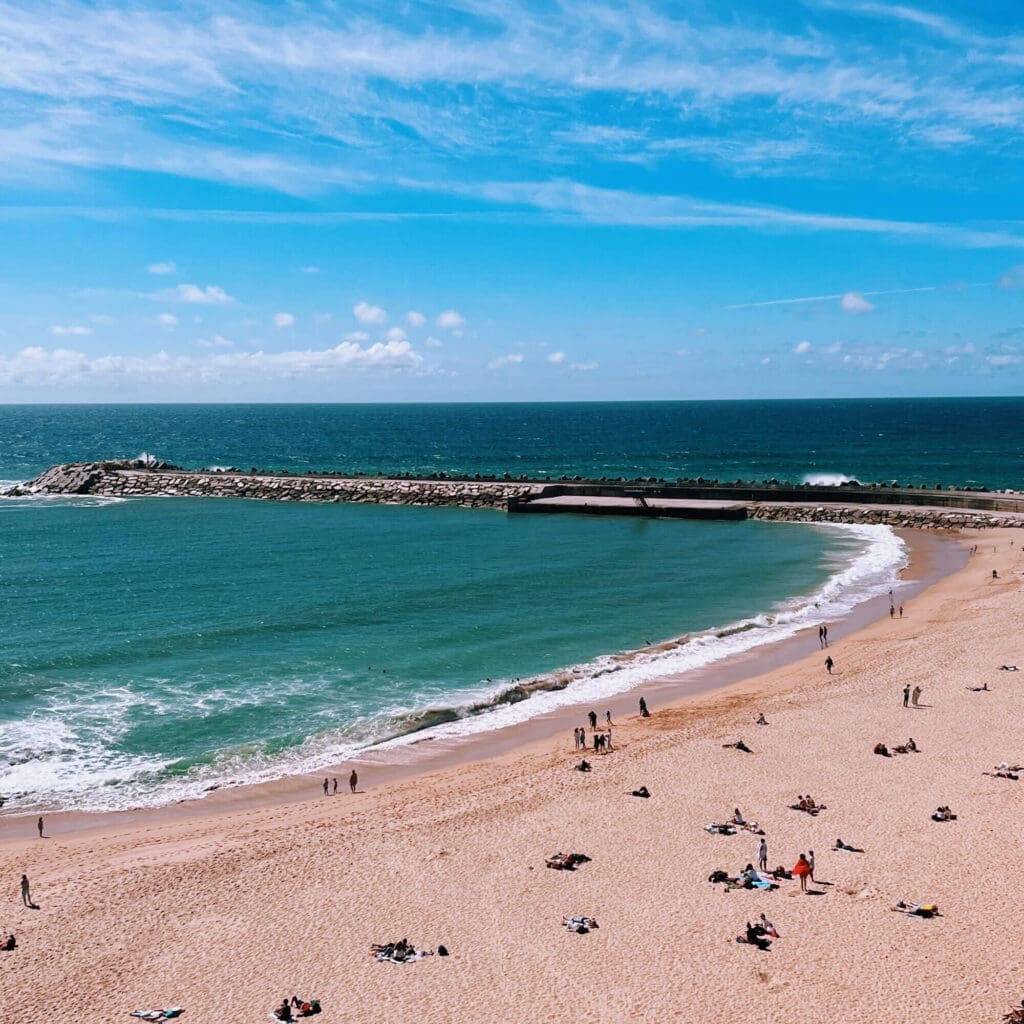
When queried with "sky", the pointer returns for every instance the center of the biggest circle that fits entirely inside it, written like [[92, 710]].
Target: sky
[[504, 200]]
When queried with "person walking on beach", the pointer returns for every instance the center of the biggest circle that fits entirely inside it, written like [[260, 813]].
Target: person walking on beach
[[821, 637], [39, 825], [906, 695], [824, 634], [644, 713], [828, 664], [353, 781], [915, 696], [593, 719], [762, 854], [325, 787], [608, 718], [26, 893], [892, 611]]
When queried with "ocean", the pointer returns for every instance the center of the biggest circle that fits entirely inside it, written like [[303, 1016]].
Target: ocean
[[153, 649]]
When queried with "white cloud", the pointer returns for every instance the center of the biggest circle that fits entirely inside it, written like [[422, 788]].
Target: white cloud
[[310, 270], [37, 366], [395, 334], [512, 359], [367, 314], [415, 319], [802, 348], [451, 320], [432, 342], [73, 330], [283, 320], [163, 268], [168, 320], [215, 341], [583, 367], [357, 336], [1004, 359], [854, 302], [556, 357], [1013, 278], [211, 295]]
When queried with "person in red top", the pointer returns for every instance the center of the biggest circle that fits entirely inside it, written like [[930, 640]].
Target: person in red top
[[802, 870]]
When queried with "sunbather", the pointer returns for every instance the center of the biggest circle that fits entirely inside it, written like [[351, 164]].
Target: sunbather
[[881, 748], [755, 936], [737, 818], [739, 745], [566, 861], [768, 927], [943, 814], [1008, 668], [8, 944], [916, 909], [284, 1011], [840, 845], [720, 829], [642, 791], [761, 720], [1003, 773], [807, 804], [305, 1007], [978, 689], [583, 766], [580, 925]]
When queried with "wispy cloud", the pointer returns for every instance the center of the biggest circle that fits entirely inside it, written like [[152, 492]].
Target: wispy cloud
[[284, 320], [162, 268], [500, 362], [841, 297], [211, 295], [69, 330]]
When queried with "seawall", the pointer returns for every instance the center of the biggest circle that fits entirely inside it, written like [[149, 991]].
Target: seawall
[[892, 506]]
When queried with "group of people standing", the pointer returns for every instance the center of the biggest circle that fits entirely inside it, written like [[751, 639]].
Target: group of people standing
[[602, 740], [353, 781]]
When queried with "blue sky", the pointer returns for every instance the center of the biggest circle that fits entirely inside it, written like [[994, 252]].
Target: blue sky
[[508, 200]]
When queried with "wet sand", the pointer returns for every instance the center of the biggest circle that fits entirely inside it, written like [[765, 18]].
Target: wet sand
[[225, 910]]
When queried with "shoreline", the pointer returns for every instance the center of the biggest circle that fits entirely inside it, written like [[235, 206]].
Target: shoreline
[[931, 557], [230, 911]]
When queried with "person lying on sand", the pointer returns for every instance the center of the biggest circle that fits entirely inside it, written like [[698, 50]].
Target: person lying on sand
[[978, 689], [755, 935], [840, 845], [943, 814], [1003, 773], [399, 952], [910, 747], [580, 924], [642, 791], [916, 909], [738, 745], [305, 1007], [583, 766], [566, 861], [716, 828], [1008, 668], [781, 873]]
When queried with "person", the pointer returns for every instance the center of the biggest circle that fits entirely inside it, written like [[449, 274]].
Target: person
[[906, 695], [608, 739], [26, 893], [915, 696], [979, 689], [824, 633], [9, 943], [325, 787], [583, 766], [840, 845], [334, 789], [39, 825], [748, 877], [901, 611], [810, 861], [892, 611], [761, 720], [821, 637], [608, 718], [828, 664], [644, 713], [353, 781], [768, 927], [762, 855], [881, 748], [737, 818], [576, 738], [593, 719], [802, 869], [911, 745], [755, 936], [642, 791], [995, 575], [284, 1011]]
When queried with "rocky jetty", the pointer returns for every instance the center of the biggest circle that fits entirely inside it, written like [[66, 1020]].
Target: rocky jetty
[[144, 480], [904, 518]]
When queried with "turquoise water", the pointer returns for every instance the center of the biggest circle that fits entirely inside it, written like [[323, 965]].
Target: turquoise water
[[153, 648]]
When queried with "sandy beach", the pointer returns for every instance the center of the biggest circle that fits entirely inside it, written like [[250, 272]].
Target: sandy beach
[[225, 913]]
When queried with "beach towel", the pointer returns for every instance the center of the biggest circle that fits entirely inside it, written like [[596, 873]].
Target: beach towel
[[174, 1011], [406, 958]]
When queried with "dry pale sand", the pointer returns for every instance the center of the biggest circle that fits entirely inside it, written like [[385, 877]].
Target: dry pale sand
[[225, 914]]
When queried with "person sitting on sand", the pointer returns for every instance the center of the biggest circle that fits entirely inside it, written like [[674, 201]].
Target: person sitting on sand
[[761, 720], [739, 745], [943, 814], [802, 870], [780, 873], [767, 927], [911, 745], [642, 791], [881, 748], [749, 877], [284, 1011], [979, 689], [583, 766], [9, 943], [737, 818], [807, 804], [840, 845]]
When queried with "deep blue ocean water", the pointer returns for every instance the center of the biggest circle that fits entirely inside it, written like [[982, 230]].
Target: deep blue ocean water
[[152, 648]]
